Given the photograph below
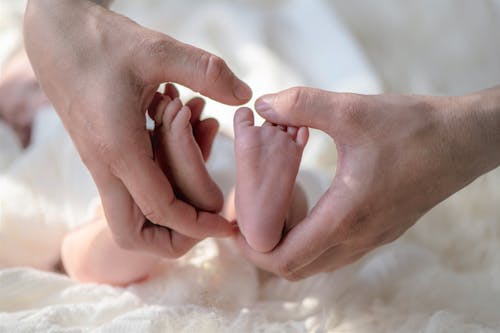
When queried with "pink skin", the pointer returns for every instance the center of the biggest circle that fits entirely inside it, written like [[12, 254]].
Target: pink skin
[[91, 254], [267, 161], [116, 81], [398, 156], [20, 96], [176, 133]]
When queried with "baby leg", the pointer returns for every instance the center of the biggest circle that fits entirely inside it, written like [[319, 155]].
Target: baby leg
[[90, 254]]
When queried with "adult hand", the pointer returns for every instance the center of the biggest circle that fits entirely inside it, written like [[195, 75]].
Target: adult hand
[[398, 156], [101, 71]]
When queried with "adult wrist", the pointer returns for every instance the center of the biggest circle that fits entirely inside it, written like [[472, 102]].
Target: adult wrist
[[474, 121], [485, 108]]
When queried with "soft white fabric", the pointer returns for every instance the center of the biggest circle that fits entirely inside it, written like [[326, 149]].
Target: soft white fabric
[[442, 276]]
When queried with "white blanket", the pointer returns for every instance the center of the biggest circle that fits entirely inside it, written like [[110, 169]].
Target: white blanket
[[442, 276]]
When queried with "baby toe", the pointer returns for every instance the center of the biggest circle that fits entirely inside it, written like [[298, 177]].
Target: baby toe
[[157, 107], [292, 131], [302, 136], [181, 121], [171, 91], [243, 119], [170, 113], [196, 105]]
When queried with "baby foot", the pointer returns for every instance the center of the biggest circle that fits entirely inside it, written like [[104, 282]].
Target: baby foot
[[267, 162], [181, 158]]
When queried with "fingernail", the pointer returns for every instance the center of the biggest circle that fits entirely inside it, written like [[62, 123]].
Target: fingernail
[[264, 104], [242, 92]]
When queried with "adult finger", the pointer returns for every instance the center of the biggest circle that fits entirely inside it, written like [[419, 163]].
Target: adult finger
[[300, 106], [331, 260], [129, 226], [154, 195], [302, 245], [165, 241], [174, 61]]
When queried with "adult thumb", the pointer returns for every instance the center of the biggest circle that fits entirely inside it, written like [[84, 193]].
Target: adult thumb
[[301, 106], [170, 60]]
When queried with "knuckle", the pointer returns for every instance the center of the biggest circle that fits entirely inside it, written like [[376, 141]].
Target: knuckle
[[152, 49], [152, 216], [297, 98], [353, 110], [157, 45], [213, 67], [178, 246]]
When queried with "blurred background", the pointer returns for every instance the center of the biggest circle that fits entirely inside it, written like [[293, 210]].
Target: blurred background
[[437, 47], [442, 273]]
